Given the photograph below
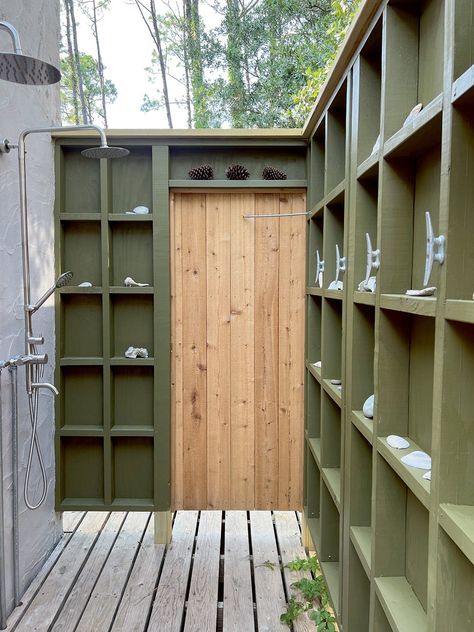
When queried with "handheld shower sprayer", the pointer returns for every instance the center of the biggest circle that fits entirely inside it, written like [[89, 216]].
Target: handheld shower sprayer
[[61, 281]]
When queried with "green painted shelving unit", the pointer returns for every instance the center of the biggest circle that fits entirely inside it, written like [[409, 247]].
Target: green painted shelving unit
[[396, 549]]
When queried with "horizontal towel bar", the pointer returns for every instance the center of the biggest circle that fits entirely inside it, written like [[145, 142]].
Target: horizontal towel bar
[[274, 215]]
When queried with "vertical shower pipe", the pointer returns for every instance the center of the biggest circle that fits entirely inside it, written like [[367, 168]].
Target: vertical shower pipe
[[13, 370], [3, 593], [30, 341]]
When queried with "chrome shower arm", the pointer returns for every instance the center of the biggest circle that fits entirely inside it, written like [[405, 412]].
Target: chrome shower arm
[[11, 30]]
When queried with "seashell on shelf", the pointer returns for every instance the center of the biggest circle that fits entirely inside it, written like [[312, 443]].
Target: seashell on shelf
[[129, 282], [336, 285], [370, 286], [85, 284], [417, 459], [427, 476], [136, 352], [413, 114], [368, 407], [336, 382], [426, 291], [317, 364], [395, 441], [138, 210]]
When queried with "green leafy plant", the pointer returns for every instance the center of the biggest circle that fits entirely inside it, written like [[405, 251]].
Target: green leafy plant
[[323, 620], [312, 597], [295, 608]]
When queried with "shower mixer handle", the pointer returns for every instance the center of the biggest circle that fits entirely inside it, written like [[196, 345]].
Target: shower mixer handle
[[35, 340], [47, 385], [20, 360]]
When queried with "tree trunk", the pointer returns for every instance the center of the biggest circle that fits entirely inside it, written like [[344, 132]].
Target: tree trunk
[[186, 72], [161, 59], [100, 66], [234, 62], [194, 54], [77, 62], [72, 67]]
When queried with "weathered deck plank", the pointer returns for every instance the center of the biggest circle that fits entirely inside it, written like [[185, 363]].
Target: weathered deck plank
[[289, 541], [133, 612], [201, 613], [238, 600], [269, 591], [168, 607]]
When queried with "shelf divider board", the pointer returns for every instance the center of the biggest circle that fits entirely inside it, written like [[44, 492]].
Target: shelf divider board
[[400, 604], [105, 198], [361, 538], [162, 328]]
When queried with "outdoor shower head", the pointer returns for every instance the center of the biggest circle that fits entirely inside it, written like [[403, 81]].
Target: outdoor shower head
[[63, 279], [20, 68], [104, 151]]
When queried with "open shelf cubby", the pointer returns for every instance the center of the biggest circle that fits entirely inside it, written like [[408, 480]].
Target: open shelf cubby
[[331, 339], [316, 166], [414, 58], [81, 248], [132, 471], [82, 464], [313, 403], [82, 404], [132, 398], [329, 548], [131, 324], [410, 187], [81, 330], [314, 329], [401, 551], [359, 593], [368, 78], [333, 235], [366, 195], [335, 154], [80, 190], [463, 30], [131, 245], [405, 382], [131, 181]]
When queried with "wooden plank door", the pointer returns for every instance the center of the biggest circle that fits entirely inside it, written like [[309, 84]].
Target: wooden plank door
[[238, 350]]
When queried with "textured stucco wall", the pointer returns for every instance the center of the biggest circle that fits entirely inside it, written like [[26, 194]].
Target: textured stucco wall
[[21, 107]]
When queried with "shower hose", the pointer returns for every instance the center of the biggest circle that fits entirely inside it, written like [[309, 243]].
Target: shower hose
[[33, 406]]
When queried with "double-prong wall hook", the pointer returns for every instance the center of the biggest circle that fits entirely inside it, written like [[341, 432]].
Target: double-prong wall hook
[[319, 270], [434, 249], [373, 260]]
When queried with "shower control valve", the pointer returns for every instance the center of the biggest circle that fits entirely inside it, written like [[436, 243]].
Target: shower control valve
[[36, 340]]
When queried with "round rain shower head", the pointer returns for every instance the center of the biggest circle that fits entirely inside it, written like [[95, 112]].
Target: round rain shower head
[[64, 279], [27, 70], [105, 152]]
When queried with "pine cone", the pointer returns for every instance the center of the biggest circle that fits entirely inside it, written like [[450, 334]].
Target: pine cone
[[270, 173], [203, 172], [237, 172]]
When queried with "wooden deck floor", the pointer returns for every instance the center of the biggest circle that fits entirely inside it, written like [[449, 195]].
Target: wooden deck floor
[[107, 574]]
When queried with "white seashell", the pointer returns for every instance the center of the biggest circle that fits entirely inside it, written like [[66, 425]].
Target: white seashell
[[336, 285], [368, 407], [85, 284], [317, 364], [427, 476], [415, 111], [141, 210], [336, 382], [129, 282], [426, 291], [417, 459], [376, 146], [136, 352], [397, 442]]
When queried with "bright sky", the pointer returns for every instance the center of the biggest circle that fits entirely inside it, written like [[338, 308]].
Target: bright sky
[[126, 47]]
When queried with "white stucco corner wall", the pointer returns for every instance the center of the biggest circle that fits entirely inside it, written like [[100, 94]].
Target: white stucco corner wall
[[22, 107]]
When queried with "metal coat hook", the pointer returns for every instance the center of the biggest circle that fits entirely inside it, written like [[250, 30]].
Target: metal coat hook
[[434, 249], [373, 259], [340, 267], [319, 270]]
